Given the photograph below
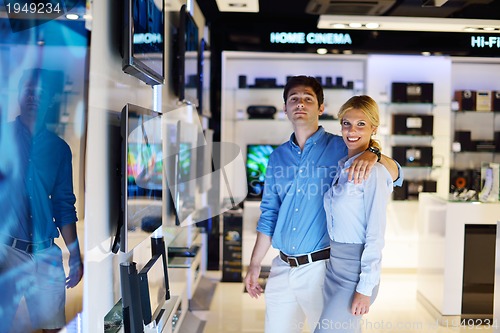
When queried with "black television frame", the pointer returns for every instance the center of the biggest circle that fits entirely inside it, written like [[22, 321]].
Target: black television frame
[[201, 68], [148, 314], [124, 242], [130, 62], [186, 32]]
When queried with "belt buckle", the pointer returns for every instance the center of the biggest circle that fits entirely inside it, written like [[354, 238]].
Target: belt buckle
[[291, 260], [30, 248]]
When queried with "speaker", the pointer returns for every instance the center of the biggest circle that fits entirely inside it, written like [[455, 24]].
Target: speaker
[[328, 82], [242, 81], [497, 141], [464, 137], [131, 299], [495, 101], [261, 111], [261, 82], [466, 100], [408, 124], [412, 155], [459, 179], [339, 82], [404, 92], [319, 79]]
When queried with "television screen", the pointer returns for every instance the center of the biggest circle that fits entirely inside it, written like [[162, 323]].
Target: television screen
[[142, 161], [185, 66], [256, 164], [143, 40], [153, 289]]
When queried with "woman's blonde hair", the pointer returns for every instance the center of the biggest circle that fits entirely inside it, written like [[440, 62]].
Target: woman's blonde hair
[[368, 106]]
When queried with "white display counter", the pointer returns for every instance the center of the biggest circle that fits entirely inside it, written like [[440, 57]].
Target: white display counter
[[442, 225]]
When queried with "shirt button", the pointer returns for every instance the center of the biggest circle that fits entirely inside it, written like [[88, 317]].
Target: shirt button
[[299, 153], [298, 190], [296, 209], [301, 170], [293, 247], [294, 229]]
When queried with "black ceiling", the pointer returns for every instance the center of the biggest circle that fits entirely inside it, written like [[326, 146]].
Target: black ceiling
[[249, 31]]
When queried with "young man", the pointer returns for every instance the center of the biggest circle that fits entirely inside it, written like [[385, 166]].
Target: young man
[[39, 206], [293, 219]]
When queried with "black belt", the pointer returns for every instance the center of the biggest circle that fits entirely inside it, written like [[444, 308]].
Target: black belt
[[26, 246], [306, 258]]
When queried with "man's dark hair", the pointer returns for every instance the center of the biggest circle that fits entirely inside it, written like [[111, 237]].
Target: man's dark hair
[[307, 81]]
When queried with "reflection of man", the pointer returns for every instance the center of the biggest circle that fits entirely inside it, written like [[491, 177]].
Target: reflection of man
[[40, 205]]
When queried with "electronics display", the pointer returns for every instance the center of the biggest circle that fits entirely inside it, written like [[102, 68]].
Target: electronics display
[[412, 156], [404, 92], [153, 289], [495, 101], [466, 100], [186, 57], [261, 111], [411, 188], [408, 124], [143, 38], [142, 181], [483, 100], [256, 165], [200, 76]]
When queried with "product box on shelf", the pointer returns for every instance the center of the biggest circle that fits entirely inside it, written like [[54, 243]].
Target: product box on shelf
[[483, 100], [466, 100], [408, 92]]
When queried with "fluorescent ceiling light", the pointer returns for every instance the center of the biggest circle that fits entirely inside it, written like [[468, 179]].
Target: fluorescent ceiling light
[[401, 23], [246, 6]]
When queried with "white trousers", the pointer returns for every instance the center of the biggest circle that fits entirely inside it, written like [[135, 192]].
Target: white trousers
[[294, 294]]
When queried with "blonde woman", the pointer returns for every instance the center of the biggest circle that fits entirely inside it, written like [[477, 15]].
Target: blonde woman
[[356, 218]]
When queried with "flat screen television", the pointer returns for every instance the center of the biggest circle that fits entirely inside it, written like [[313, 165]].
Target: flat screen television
[[185, 60], [143, 39], [142, 174], [256, 165], [201, 78], [153, 289]]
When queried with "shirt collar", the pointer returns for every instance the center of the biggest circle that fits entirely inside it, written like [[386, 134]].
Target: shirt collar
[[313, 138], [25, 130]]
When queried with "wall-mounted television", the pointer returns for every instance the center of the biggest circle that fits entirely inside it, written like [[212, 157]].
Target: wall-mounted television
[[143, 39], [185, 61], [256, 165], [141, 173], [201, 78]]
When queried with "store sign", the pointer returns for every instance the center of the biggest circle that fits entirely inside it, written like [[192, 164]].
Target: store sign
[[310, 38], [485, 42], [147, 38]]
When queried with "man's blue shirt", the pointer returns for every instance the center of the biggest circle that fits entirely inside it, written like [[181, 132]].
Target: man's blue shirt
[[43, 199], [292, 210], [292, 202]]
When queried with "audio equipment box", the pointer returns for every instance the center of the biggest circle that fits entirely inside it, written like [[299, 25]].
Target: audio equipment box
[[411, 189], [404, 92], [407, 124], [483, 100], [495, 101], [465, 179], [261, 111], [466, 100], [464, 137], [412, 156]]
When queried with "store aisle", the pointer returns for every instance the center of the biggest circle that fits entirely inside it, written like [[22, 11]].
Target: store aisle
[[395, 310]]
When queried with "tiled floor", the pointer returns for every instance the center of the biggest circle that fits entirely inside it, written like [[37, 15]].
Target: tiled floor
[[395, 310]]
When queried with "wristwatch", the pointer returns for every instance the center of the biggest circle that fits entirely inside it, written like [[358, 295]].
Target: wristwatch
[[376, 151]]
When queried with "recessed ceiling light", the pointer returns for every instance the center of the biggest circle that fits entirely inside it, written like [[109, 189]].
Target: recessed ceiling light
[[372, 25], [321, 51], [426, 53], [237, 5], [469, 29], [489, 29], [355, 25], [72, 16], [338, 25], [244, 6]]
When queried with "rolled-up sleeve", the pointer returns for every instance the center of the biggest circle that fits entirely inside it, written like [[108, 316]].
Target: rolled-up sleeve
[[270, 204], [63, 198]]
